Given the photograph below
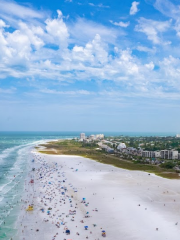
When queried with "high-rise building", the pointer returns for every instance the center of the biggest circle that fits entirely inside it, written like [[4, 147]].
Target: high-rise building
[[82, 136]]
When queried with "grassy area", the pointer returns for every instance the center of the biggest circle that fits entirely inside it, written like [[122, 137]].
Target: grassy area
[[70, 147]]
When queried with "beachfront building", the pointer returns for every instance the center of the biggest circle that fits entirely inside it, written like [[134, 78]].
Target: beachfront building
[[151, 154], [106, 148], [109, 150], [147, 154], [169, 154], [82, 136], [99, 136], [121, 146], [157, 154], [92, 137]]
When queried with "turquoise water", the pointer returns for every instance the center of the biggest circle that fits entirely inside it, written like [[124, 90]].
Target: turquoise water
[[14, 154]]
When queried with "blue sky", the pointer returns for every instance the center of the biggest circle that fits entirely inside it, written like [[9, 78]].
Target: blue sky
[[90, 65]]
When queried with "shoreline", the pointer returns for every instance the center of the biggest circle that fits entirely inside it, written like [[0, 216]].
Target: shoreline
[[115, 192]]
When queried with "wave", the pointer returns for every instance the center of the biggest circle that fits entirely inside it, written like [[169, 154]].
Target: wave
[[6, 153]]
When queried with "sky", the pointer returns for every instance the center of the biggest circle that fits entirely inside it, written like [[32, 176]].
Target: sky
[[68, 65]]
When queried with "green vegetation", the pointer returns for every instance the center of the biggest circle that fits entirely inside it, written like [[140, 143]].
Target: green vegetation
[[168, 165], [149, 143], [91, 150]]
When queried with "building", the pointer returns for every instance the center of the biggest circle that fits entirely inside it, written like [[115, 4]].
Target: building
[[146, 154], [92, 137], [169, 154], [121, 146], [109, 150], [151, 154], [82, 136], [177, 135], [173, 154], [157, 154], [100, 136]]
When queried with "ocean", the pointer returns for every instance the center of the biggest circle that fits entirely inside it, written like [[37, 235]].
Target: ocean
[[15, 150]]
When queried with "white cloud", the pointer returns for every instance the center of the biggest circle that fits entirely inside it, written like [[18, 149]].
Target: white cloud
[[57, 49], [171, 10], [134, 8], [14, 9], [79, 33], [93, 53], [75, 93], [150, 65], [152, 28], [57, 30], [120, 24], [98, 5], [170, 68], [146, 49], [2, 24], [167, 8]]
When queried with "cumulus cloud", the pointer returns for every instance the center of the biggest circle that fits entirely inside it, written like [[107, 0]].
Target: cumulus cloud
[[60, 50], [150, 65], [93, 53], [2, 24], [134, 8], [57, 30], [152, 28], [120, 24]]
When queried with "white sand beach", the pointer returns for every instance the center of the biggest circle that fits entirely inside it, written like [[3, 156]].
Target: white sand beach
[[125, 204]]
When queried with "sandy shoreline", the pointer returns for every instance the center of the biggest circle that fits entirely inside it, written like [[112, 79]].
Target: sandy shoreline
[[126, 204]]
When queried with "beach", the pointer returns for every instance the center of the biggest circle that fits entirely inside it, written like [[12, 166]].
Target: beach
[[70, 193]]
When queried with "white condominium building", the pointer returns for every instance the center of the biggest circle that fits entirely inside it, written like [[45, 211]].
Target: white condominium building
[[100, 136], [169, 154], [82, 136], [151, 154]]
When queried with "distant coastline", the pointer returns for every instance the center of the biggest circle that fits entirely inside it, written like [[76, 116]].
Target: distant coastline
[[77, 133]]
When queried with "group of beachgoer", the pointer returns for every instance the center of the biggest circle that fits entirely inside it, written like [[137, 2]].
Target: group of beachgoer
[[58, 204]]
